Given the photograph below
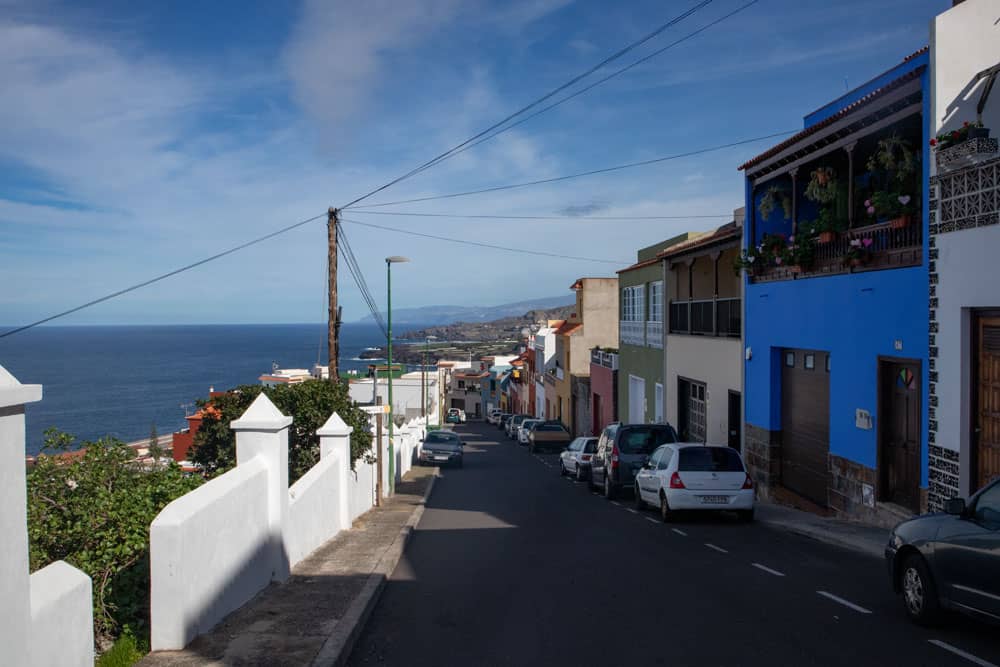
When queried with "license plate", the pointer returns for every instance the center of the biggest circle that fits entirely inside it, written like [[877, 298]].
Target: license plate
[[441, 458], [714, 500]]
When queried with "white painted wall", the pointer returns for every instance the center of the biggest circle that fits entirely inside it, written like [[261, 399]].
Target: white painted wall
[[718, 362], [57, 598], [405, 393], [60, 594], [964, 41]]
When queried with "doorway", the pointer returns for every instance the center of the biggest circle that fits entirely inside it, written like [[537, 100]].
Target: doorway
[[986, 421], [899, 432]]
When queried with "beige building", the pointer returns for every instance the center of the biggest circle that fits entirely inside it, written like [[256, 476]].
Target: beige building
[[594, 323]]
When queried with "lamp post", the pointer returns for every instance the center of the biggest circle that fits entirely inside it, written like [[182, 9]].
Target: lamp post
[[389, 261]]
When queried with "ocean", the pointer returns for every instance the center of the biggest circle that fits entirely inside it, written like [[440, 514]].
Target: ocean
[[121, 380]]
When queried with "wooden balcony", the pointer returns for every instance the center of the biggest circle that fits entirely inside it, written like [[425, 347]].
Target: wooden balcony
[[887, 248]]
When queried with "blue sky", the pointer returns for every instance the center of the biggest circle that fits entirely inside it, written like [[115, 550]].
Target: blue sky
[[137, 137]]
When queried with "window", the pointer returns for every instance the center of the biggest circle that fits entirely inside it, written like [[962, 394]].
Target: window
[[810, 362], [988, 508], [461, 384], [644, 439], [591, 446], [633, 304], [709, 459], [654, 459], [668, 454], [656, 301], [790, 359]]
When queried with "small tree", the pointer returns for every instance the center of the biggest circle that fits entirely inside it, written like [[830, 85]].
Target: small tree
[[309, 404], [93, 511], [155, 451]]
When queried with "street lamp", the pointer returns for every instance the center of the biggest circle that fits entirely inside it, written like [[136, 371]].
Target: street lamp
[[389, 261]]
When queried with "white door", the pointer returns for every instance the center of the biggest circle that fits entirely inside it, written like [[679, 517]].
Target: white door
[[636, 400], [658, 408]]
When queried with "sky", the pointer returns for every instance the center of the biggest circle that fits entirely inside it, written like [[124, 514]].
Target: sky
[[139, 137]]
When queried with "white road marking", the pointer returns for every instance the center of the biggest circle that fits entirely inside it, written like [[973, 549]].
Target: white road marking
[[595, 493], [959, 652], [615, 502], [679, 532], [768, 570], [849, 605], [719, 549], [649, 518], [632, 510]]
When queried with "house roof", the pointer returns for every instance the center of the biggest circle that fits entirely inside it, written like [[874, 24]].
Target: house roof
[[846, 111], [569, 328], [728, 232]]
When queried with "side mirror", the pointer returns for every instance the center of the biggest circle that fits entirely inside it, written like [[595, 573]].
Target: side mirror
[[955, 506]]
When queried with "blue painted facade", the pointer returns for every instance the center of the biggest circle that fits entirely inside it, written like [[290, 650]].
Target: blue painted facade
[[855, 317]]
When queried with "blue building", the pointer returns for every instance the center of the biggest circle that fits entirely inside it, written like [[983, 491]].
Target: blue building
[[836, 303]]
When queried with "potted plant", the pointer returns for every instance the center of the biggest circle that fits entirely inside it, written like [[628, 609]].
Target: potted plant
[[800, 252], [974, 130], [827, 226], [772, 197], [822, 187], [858, 252], [898, 208]]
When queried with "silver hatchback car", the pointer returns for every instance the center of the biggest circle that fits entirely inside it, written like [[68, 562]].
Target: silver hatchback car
[[575, 459]]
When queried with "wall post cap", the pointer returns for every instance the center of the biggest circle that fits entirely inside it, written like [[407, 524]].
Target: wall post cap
[[262, 415], [12, 392], [334, 426]]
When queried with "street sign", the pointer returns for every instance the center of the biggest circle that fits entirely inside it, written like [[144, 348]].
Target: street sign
[[375, 409]]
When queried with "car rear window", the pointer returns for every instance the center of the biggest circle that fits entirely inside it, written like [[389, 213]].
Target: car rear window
[[591, 446], [709, 459], [549, 427], [644, 439]]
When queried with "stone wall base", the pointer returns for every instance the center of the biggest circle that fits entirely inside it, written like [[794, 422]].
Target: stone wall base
[[762, 454]]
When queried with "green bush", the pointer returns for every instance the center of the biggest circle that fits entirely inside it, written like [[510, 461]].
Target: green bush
[[94, 512], [309, 404], [126, 652]]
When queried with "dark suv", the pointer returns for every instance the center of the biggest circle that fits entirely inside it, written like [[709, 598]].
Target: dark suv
[[621, 452]]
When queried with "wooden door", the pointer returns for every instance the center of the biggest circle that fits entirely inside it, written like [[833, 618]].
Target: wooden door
[[986, 434], [899, 433], [805, 423]]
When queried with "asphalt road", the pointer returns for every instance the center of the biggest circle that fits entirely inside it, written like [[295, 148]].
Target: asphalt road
[[513, 565]]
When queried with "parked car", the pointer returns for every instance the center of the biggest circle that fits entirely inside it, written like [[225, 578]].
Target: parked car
[[442, 447], [621, 452], [493, 415], [575, 459], [513, 424], [455, 416], [525, 430], [949, 560], [502, 420], [548, 435], [695, 477]]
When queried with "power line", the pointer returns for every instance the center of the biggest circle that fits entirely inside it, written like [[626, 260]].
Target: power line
[[592, 172], [608, 77], [555, 91], [565, 218], [359, 278], [486, 245], [163, 276]]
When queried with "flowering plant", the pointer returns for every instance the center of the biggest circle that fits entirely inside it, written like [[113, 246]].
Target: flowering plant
[[889, 205], [858, 251], [946, 139]]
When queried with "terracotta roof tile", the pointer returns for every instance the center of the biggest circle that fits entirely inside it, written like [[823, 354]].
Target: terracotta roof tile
[[724, 233]]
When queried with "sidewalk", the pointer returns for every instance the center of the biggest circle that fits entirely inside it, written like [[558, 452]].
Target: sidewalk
[[316, 615], [855, 536]]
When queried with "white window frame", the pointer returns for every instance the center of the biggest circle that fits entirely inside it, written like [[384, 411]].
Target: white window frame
[[658, 408], [656, 301]]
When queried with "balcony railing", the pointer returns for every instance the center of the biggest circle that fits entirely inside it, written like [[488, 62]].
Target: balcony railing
[[633, 333], [654, 334], [883, 246], [606, 359], [706, 317]]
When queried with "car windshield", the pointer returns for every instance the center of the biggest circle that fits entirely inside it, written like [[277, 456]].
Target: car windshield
[[549, 427], [591, 446], [709, 459], [644, 439], [445, 444]]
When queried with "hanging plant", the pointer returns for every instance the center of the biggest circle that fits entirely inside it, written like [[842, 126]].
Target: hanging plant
[[896, 157], [822, 187], [773, 196]]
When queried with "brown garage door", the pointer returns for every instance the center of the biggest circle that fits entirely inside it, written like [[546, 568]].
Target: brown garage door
[[805, 422]]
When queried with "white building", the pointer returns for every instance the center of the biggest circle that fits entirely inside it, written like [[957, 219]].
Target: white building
[[406, 393], [544, 344], [963, 245]]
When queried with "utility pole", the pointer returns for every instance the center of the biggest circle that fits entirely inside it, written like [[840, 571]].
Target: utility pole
[[378, 450], [333, 314]]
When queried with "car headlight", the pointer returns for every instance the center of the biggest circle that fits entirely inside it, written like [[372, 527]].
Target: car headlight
[[895, 541]]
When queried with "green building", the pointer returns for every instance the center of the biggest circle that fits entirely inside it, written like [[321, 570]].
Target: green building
[[641, 336]]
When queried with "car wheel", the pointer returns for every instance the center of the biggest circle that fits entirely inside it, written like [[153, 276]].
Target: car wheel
[[666, 513], [609, 487], [919, 595], [640, 504], [746, 516], [562, 469], [579, 474]]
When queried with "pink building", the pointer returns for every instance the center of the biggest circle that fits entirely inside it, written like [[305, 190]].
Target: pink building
[[603, 388]]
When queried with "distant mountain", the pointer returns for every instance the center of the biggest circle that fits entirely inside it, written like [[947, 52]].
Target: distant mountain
[[438, 315]]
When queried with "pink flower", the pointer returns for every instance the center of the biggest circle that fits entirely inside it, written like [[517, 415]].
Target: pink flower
[[855, 243], [871, 210], [868, 202], [777, 260], [867, 241], [791, 239]]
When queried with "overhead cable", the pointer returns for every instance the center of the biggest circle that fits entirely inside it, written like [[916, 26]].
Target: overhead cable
[[163, 276], [555, 91], [605, 170], [486, 245], [561, 218]]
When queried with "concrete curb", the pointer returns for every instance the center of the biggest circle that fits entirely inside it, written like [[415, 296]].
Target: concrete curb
[[338, 646], [820, 535]]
